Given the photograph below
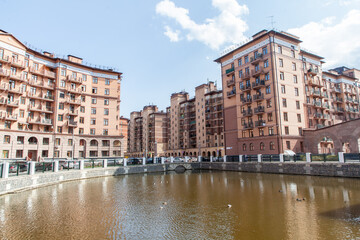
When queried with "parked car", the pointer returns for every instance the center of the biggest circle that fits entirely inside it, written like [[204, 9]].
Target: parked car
[[13, 167], [43, 166], [69, 164], [133, 161]]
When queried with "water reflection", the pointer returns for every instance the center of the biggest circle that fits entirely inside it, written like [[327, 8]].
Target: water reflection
[[186, 206]]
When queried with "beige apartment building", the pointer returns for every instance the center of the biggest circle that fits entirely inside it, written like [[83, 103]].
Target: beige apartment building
[[273, 89], [147, 132], [53, 107]]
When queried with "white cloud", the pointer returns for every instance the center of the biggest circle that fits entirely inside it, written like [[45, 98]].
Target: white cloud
[[342, 3], [172, 35], [227, 27], [337, 41]]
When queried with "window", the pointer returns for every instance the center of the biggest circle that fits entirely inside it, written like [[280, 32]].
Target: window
[[61, 105], [20, 140], [288, 144], [84, 77], [105, 132], [240, 61], [22, 113], [60, 117], [93, 121], [22, 100], [269, 117], [93, 110], [299, 117], [5, 154], [69, 154], [46, 141], [57, 141], [93, 100], [244, 147], [266, 63], [268, 90], [95, 80], [59, 129], [282, 77], [240, 74], [297, 104], [283, 90], [284, 103], [261, 132], [92, 131], [293, 53], [93, 153], [251, 147], [61, 95], [107, 81], [106, 122], [268, 103], [82, 109], [70, 142], [279, 49], [286, 117], [83, 98], [107, 91], [81, 131], [264, 51], [81, 119], [7, 125], [7, 139], [243, 134], [296, 92], [294, 66], [272, 146], [300, 131], [281, 62], [271, 131], [262, 146], [94, 90], [73, 75], [106, 101], [295, 79], [246, 59], [286, 130], [267, 76], [106, 111], [19, 153], [62, 83], [63, 72]]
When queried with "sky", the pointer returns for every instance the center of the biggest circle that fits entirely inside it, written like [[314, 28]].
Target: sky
[[166, 46]]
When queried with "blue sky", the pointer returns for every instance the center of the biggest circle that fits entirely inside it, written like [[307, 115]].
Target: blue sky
[[164, 46]]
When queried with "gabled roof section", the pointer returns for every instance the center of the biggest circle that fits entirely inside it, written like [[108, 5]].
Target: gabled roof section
[[3, 33]]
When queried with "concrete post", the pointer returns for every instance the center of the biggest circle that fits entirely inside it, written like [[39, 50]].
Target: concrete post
[[171, 159], [32, 168], [225, 158], [341, 157], [81, 166], [162, 160], [211, 159], [5, 173], [105, 163], [281, 156], [144, 161], [308, 157], [56, 166], [259, 158], [199, 158], [125, 162], [240, 158]]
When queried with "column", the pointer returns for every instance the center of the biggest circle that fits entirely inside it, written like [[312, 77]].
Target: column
[[32, 168], [162, 160], [105, 163], [199, 158], [211, 159], [81, 165], [225, 158], [341, 157], [125, 162], [281, 156], [240, 158], [259, 158], [144, 161], [5, 170], [56, 166], [308, 157]]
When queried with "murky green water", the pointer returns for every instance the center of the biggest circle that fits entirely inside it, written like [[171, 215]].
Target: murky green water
[[131, 207]]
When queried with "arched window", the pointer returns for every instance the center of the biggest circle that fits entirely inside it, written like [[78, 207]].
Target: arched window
[[262, 146], [93, 143], [82, 142], [272, 146], [33, 140], [244, 147], [116, 143], [251, 147]]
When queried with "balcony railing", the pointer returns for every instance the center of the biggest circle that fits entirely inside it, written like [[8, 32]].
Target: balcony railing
[[248, 125], [246, 100], [312, 71], [72, 123], [259, 84], [17, 63], [260, 123], [259, 109], [230, 82], [245, 76], [4, 72], [256, 59], [247, 113], [4, 59], [257, 71], [231, 93], [229, 70], [258, 97]]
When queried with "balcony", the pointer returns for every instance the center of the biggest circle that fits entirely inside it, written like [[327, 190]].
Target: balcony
[[231, 93], [74, 90], [9, 117], [259, 110], [317, 103], [48, 97], [12, 103], [245, 76], [229, 70], [46, 121], [337, 99], [33, 95], [257, 59], [248, 125], [324, 94], [260, 123], [339, 109], [15, 90], [49, 74], [258, 97], [74, 113], [17, 63], [338, 90], [4, 72], [318, 115], [247, 113], [316, 92], [17, 77], [314, 82], [230, 82], [350, 100], [257, 72], [72, 123], [246, 100], [259, 84], [312, 71], [4, 59]]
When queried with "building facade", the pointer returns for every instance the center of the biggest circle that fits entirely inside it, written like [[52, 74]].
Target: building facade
[[53, 107], [273, 90]]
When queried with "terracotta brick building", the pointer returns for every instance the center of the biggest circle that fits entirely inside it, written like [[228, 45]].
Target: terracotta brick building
[[54, 107]]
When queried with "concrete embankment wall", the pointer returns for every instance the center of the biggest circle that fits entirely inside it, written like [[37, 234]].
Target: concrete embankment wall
[[296, 168], [25, 182]]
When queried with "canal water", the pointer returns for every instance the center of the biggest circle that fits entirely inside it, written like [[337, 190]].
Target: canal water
[[191, 205]]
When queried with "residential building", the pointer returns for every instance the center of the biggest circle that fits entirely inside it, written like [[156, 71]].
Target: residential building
[[54, 107], [273, 89], [123, 132]]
